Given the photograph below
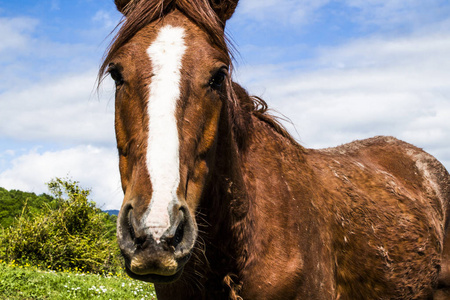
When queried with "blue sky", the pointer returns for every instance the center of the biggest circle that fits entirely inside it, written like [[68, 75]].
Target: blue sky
[[339, 69]]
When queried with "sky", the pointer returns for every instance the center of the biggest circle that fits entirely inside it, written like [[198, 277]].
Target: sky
[[339, 70]]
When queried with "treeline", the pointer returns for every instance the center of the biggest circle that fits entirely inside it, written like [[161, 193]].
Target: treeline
[[62, 230], [12, 204]]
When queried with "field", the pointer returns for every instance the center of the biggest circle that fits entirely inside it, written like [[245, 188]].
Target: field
[[26, 282]]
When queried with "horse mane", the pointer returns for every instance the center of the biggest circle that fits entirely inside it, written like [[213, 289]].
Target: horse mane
[[256, 106], [242, 106], [261, 112]]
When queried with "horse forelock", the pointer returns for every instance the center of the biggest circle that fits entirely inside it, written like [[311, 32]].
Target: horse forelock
[[145, 12]]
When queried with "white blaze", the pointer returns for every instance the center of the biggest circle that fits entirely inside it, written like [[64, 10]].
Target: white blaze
[[166, 54]]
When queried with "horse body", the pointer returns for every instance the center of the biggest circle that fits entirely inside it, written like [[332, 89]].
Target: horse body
[[389, 214], [220, 201], [359, 221]]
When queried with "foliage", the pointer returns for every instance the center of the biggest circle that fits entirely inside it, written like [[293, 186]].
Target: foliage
[[12, 204], [69, 232], [17, 282]]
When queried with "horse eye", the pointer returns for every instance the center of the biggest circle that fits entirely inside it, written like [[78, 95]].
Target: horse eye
[[217, 80], [115, 74]]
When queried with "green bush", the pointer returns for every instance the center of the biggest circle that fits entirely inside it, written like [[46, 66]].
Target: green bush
[[71, 234]]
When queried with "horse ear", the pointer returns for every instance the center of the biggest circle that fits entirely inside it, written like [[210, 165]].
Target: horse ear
[[224, 8], [123, 5]]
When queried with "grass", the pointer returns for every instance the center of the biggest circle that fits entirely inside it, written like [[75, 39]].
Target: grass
[[19, 282]]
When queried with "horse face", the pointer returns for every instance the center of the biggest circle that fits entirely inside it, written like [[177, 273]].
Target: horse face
[[170, 87]]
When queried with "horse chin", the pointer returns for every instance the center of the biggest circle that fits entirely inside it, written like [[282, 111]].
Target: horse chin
[[154, 278], [165, 270]]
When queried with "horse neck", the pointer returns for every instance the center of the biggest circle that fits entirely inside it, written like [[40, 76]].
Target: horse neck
[[225, 206], [231, 199]]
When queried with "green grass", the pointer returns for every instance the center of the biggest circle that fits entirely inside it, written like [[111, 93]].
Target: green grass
[[17, 282]]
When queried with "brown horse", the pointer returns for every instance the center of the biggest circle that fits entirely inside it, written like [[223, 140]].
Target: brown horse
[[220, 201]]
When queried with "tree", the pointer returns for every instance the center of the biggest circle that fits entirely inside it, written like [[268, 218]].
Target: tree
[[12, 204], [68, 233]]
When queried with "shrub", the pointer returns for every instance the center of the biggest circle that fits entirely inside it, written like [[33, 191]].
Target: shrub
[[71, 234]]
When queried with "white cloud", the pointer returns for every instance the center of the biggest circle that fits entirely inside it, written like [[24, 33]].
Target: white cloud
[[28, 57], [393, 15], [62, 110], [372, 86], [104, 17], [93, 167], [274, 12], [55, 5], [60, 113], [427, 50], [385, 14], [15, 34], [48, 97]]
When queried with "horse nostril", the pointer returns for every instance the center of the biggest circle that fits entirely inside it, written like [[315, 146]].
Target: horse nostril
[[130, 227], [139, 241], [178, 235]]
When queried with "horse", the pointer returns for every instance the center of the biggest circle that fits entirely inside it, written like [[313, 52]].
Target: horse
[[221, 202]]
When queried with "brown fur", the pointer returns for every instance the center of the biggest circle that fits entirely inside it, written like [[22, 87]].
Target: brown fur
[[273, 220]]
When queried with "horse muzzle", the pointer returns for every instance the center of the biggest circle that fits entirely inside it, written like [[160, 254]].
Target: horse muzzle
[[155, 259]]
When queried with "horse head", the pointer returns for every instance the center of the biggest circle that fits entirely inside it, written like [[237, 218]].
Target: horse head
[[171, 65]]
